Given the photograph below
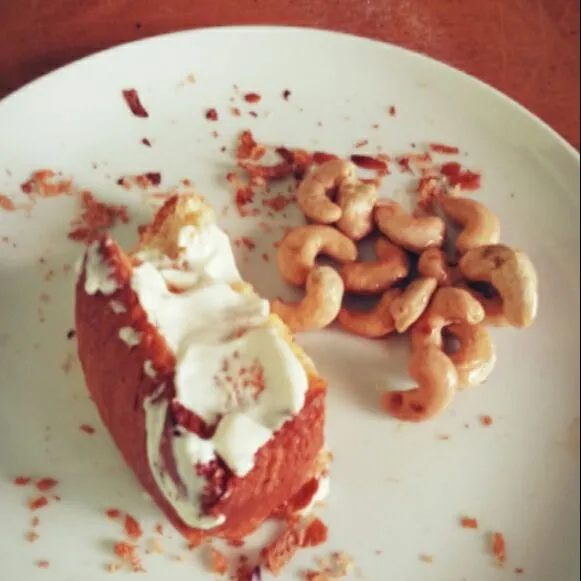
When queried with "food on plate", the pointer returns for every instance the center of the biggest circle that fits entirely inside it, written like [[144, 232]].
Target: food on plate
[[437, 380], [209, 399], [313, 193], [418, 285], [299, 248], [411, 304], [480, 226], [357, 201], [375, 323], [320, 305], [512, 275], [412, 233], [392, 266]]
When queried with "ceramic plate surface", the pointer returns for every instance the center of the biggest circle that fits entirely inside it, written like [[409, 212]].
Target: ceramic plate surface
[[398, 491]]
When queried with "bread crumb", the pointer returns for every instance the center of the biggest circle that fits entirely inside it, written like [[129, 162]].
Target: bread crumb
[[469, 523], [314, 534], [218, 562], [427, 559], [499, 549], [31, 536], [486, 421], [37, 503], [132, 527], [45, 484], [277, 555]]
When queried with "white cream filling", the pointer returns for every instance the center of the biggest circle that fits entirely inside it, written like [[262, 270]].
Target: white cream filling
[[118, 307], [232, 368], [129, 336], [98, 274]]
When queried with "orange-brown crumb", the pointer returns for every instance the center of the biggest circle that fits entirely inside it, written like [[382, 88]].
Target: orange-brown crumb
[[282, 549], [519, 571], [218, 562], [87, 429], [38, 502], [31, 536], [486, 421], [95, 217], [499, 548], [34, 522], [469, 523], [45, 484], [159, 528], [42, 183], [124, 550], [247, 146], [6, 203], [427, 559], [279, 202], [314, 534], [132, 527], [316, 576]]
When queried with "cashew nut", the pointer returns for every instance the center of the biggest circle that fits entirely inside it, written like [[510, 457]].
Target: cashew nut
[[480, 227], [356, 201], [449, 305], [437, 380], [412, 233], [313, 192], [476, 356], [513, 276], [298, 250], [371, 324], [412, 303], [492, 306], [393, 265], [434, 263], [387, 251], [320, 305]]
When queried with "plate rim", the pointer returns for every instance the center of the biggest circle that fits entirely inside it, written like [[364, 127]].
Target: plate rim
[[493, 92]]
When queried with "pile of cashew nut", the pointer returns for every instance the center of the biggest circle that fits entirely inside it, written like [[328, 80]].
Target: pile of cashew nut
[[419, 287]]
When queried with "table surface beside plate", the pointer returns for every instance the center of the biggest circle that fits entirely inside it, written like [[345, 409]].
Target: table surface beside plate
[[527, 49]]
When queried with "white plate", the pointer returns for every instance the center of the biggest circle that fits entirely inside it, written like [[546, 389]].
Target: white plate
[[398, 491]]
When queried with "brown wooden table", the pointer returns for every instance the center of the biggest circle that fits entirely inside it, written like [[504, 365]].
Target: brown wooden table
[[527, 48]]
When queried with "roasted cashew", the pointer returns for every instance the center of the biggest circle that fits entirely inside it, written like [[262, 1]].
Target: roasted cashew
[[476, 356], [449, 305], [413, 234], [372, 324], [298, 250], [480, 227], [434, 263], [313, 192], [356, 201], [320, 305], [437, 380], [393, 265], [492, 306], [387, 251], [412, 303], [513, 276]]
